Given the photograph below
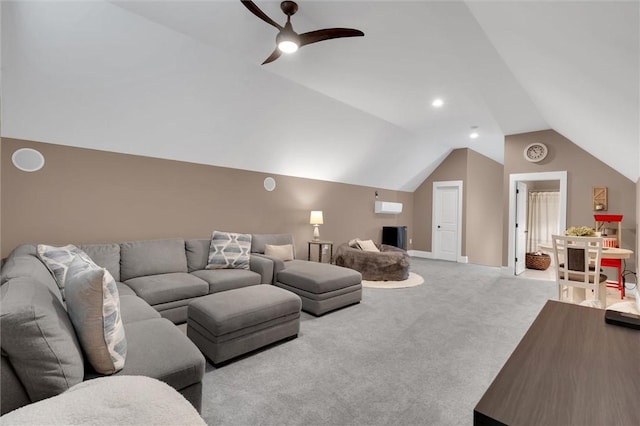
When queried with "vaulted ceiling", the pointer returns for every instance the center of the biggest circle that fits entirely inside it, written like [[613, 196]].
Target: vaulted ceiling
[[183, 80]]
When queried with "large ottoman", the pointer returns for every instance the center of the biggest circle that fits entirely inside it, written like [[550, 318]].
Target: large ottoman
[[321, 286], [230, 323]]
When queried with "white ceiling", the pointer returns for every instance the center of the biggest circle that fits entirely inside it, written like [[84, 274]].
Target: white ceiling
[[183, 80]]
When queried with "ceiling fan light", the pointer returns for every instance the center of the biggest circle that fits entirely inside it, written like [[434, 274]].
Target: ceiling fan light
[[287, 46]]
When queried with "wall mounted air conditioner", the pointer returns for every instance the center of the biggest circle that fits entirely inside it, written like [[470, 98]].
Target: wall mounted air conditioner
[[388, 207]]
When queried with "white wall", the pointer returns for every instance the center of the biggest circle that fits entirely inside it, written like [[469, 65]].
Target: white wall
[[93, 75]]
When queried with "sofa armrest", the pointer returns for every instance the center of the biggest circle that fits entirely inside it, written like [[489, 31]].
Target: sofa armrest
[[264, 266], [278, 264]]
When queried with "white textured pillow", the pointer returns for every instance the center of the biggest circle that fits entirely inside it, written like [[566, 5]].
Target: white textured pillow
[[368, 245], [283, 253], [93, 304], [229, 250], [354, 243]]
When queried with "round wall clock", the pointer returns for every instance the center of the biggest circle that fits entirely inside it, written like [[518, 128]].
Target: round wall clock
[[535, 152]]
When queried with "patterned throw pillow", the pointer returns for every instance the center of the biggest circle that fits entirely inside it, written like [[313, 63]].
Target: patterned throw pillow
[[58, 259], [229, 251], [93, 305]]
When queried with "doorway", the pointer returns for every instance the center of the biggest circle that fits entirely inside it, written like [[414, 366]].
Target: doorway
[[515, 250], [446, 227]]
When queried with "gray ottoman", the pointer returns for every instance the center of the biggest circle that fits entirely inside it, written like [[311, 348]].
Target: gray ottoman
[[230, 323], [321, 286]]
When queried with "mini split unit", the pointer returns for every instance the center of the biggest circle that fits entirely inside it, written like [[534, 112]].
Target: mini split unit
[[388, 207]]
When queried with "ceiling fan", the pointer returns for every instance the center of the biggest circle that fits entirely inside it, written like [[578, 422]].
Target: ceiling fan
[[287, 40]]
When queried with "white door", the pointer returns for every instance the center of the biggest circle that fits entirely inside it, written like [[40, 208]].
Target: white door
[[521, 226], [447, 205]]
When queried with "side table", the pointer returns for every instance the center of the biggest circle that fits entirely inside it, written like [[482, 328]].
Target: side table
[[320, 245]]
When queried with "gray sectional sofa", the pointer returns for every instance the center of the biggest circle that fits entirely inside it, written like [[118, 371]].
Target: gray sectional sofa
[[156, 281]]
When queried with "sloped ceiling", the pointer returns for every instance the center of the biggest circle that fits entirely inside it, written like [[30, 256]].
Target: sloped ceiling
[[183, 80]]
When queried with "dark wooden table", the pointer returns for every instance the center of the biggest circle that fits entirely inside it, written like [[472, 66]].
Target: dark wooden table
[[571, 368]]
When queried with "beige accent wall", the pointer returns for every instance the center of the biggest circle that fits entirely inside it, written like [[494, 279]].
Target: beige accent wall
[[484, 210], [584, 171], [481, 205], [454, 167], [84, 195]]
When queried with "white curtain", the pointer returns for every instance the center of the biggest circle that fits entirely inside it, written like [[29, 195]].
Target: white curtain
[[543, 218]]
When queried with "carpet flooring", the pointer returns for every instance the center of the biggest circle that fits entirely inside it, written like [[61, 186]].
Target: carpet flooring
[[413, 356]]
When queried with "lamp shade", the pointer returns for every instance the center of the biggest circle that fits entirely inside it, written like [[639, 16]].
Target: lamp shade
[[316, 217]]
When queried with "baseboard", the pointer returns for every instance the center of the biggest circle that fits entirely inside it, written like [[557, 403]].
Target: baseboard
[[419, 253], [429, 255]]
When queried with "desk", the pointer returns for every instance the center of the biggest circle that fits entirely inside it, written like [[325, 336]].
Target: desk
[[607, 252], [570, 368], [320, 244]]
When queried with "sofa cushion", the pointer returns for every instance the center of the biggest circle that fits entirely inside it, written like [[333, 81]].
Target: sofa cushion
[[229, 250], [163, 288], [160, 350], [228, 279], [38, 339], [58, 259], [22, 262], [133, 308], [197, 253], [13, 394], [259, 241], [283, 253], [125, 290], [94, 309], [105, 255], [152, 257]]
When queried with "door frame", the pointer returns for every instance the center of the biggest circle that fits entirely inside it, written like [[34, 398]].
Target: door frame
[[436, 186], [515, 177], [524, 196]]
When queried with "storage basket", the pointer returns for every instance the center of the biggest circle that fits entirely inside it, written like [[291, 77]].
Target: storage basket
[[540, 261]]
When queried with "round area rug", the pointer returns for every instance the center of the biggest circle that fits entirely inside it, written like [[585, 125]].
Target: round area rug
[[413, 281]]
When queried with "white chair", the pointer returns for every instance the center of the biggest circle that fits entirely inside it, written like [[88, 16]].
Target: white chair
[[581, 268]]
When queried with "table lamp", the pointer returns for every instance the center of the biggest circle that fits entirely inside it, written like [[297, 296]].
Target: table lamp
[[316, 219]]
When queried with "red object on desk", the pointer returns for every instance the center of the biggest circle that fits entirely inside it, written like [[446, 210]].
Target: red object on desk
[[613, 263]]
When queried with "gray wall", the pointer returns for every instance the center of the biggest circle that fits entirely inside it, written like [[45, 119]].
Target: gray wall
[[83, 195]]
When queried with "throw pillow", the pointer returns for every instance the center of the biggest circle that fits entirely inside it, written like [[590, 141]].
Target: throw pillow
[[354, 243], [283, 253], [93, 304], [229, 250], [368, 245], [58, 259], [38, 338]]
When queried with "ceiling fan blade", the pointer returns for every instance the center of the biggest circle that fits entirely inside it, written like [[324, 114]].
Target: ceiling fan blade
[[275, 55], [327, 34], [260, 14]]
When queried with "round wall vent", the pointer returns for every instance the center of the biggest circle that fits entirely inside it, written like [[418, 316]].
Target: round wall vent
[[269, 184], [28, 159]]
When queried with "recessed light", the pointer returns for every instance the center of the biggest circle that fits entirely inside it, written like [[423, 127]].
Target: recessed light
[[474, 135], [437, 103]]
